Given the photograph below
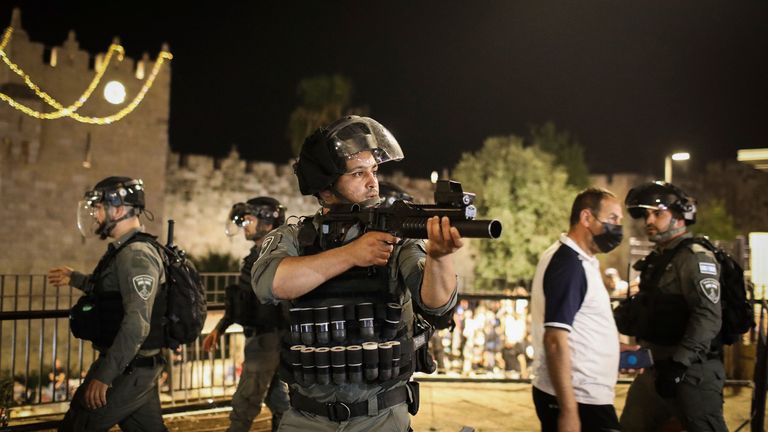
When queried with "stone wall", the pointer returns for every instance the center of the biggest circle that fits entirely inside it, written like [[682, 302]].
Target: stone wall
[[201, 190], [42, 172]]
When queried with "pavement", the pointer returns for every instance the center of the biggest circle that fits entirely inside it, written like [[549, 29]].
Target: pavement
[[449, 406]]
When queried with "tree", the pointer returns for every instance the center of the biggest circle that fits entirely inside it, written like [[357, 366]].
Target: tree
[[739, 187], [714, 221], [524, 189], [567, 151], [323, 100]]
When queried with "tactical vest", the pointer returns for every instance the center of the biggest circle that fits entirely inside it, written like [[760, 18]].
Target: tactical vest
[[245, 308], [354, 328], [97, 316], [659, 318]]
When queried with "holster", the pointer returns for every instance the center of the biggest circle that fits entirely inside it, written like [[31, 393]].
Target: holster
[[422, 333], [413, 397]]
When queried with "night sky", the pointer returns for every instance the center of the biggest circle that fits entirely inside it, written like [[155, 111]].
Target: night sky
[[632, 81]]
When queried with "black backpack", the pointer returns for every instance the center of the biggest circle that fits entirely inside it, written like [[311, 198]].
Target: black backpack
[[186, 308], [184, 296], [738, 312]]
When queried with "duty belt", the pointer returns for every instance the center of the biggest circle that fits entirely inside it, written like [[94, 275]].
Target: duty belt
[[141, 362], [342, 411]]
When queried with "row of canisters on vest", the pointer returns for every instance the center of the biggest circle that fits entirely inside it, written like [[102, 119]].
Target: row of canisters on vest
[[371, 361], [344, 323]]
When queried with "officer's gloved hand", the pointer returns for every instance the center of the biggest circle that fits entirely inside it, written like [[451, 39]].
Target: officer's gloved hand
[[669, 374]]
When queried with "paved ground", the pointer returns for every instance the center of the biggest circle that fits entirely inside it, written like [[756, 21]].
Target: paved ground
[[447, 407], [485, 406]]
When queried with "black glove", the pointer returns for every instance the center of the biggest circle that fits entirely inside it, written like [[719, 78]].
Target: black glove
[[669, 374]]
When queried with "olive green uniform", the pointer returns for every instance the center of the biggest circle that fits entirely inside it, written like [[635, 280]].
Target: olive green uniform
[[408, 262], [694, 274], [259, 381], [132, 400]]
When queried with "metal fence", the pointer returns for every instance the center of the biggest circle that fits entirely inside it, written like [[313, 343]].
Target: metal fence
[[45, 363]]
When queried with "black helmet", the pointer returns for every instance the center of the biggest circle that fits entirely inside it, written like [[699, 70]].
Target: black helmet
[[660, 195], [110, 192], [264, 208], [324, 153], [117, 191], [390, 192], [267, 208]]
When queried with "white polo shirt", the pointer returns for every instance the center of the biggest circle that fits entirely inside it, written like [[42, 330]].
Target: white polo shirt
[[568, 293]]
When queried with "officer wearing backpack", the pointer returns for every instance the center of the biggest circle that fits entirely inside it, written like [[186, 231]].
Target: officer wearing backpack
[[121, 385], [352, 344], [678, 315], [263, 325]]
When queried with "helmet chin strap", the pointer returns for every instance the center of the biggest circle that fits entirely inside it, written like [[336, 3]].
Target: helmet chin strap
[[106, 227], [667, 235]]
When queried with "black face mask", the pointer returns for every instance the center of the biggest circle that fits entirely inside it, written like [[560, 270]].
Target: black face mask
[[609, 238]]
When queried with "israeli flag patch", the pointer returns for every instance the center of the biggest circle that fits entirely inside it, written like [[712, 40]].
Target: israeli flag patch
[[143, 285], [707, 268]]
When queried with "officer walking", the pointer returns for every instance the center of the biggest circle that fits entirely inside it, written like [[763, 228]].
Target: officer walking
[[677, 314], [121, 385], [263, 324], [348, 355]]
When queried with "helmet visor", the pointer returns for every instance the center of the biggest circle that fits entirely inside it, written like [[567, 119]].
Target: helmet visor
[[362, 133], [236, 219], [87, 223]]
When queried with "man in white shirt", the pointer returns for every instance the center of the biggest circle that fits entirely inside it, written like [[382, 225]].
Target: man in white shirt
[[575, 339]]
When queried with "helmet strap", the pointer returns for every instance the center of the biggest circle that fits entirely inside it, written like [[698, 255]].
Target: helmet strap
[[106, 227], [667, 235]]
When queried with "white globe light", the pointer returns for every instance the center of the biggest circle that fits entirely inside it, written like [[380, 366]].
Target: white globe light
[[434, 177], [114, 92]]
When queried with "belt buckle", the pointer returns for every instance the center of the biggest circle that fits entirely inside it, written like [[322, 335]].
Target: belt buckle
[[336, 415]]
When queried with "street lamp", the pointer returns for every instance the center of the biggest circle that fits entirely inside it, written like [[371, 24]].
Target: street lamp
[[683, 156]]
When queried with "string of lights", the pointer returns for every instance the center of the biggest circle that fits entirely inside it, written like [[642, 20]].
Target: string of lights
[[61, 110], [70, 111]]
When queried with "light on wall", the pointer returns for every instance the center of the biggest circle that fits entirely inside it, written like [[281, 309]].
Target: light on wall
[[114, 92]]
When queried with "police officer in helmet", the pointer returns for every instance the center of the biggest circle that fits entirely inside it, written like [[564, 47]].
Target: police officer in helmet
[[262, 324], [348, 356], [677, 314], [124, 324]]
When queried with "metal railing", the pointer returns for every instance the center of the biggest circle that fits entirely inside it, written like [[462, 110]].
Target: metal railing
[[46, 363]]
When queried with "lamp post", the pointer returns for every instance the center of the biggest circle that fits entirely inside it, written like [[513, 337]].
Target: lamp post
[[683, 156]]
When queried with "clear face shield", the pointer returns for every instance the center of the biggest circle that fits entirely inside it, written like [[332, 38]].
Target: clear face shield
[[87, 211], [362, 133]]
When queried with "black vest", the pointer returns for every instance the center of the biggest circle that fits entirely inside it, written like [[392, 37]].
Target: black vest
[[97, 316], [245, 308], [352, 328], [660, 318]]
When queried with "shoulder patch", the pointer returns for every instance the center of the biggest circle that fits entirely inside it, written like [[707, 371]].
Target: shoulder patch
[[711, 289], [266, 245], [708, 268], [143, 285]]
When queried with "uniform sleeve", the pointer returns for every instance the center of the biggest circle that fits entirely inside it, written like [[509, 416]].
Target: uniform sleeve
[[565, 286], [699, 276], [79, 280], [410, 261], [280, 243], [140, 274]]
